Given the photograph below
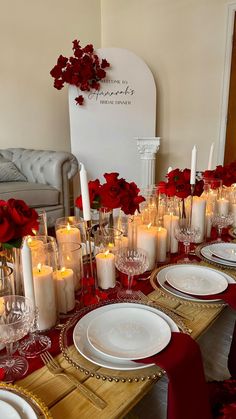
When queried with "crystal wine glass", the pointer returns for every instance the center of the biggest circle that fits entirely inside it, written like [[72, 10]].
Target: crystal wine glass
[[186, 234], [16, 318], [221, 221], [131, 262]]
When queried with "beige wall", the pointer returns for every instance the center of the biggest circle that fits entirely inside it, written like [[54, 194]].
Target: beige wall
[[33, 33], [183, 42]]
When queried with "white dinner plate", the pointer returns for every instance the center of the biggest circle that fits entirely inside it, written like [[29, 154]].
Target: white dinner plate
[[129, 333], [209, 251], [196, 280], [226, 251], [89, 352], [8, 411], [19, 404], [161, 280]]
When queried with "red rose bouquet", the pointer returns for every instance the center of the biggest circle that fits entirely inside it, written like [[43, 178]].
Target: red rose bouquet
[[178, 184], [114, 193], [16, 220], [84, 70]]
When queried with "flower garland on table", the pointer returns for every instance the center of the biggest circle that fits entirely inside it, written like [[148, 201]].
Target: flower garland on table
[[178, 184], [114, 193], [84, 70], [17, 220], [226, 173]]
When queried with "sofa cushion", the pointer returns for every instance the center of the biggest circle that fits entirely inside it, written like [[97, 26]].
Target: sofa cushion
[[9, 172], [34, 194]]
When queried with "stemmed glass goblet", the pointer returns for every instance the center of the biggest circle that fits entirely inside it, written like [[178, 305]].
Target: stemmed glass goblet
[[131, 261], [16, 318], [186, 234], [221, 221]]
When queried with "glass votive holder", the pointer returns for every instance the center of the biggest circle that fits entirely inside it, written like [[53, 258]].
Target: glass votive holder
[[70, 229], [42, 221], [44, 266], [107, 239], [70, 257]]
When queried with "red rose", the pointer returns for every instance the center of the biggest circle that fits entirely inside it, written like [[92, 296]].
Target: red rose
[[24, 217], [79, 100], [7, 230], [56, 71], [58, 84], [62, 61], [105, 63]]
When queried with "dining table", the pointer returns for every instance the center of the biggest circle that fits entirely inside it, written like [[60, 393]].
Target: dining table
[[120, 390]]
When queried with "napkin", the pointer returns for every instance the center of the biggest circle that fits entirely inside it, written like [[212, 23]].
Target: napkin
[[187, 388], [228, 296]]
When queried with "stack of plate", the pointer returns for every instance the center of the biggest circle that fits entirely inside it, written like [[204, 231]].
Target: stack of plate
[[221, 253], [16, 403], [185, 280], [115, 335]]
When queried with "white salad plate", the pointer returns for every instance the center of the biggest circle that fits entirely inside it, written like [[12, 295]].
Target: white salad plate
[[226, 251], [210, 250], [196, 280], [83, 346], [160, 279], [129, 333], [8, 411], [18, 406]]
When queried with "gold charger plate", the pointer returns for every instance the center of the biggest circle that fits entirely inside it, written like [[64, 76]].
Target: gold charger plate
[[90, 369], [37, 404]]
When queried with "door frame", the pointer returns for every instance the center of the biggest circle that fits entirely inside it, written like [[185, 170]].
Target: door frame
[[226, 81]]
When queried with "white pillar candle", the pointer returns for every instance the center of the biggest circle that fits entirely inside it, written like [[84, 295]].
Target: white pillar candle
[[208, 223], [68, 234], [65, 290], [106, 272], [27, 272], [170, 222], [198, 217], [222, 206], [147, 240], [193, 166], [233, 209], [209, 166], [85, 193], [45, 296], [161, 244]]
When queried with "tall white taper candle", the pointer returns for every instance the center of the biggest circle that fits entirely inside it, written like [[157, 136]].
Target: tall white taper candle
[[209, 166], [27, 271], [193, 166], [85, 193]]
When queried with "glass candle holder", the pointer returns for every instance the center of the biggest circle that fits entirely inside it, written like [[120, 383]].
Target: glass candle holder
[[70, 229], [44, 265], [70, 257]]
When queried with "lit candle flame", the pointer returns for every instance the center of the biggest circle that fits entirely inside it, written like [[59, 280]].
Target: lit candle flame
[[63, 269], [39, 267], [149, 225], [68, 226], [110, 245], [106, 253], [29, 241], [34, 231]]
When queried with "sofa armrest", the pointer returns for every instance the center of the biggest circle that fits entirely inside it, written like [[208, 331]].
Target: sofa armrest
[[53, 168]]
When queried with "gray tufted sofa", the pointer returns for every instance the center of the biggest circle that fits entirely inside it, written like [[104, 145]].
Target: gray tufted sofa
[[45, 184]]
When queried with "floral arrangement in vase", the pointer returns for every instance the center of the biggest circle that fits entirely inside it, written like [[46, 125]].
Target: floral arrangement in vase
[[178, 184], [225, 173], [114, 193], [17, 220], [83, 70]]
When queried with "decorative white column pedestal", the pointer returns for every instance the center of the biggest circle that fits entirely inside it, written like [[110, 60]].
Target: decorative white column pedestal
[[148, 147]]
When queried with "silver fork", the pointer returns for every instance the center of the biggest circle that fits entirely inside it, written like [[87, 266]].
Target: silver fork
[[56, 369]]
